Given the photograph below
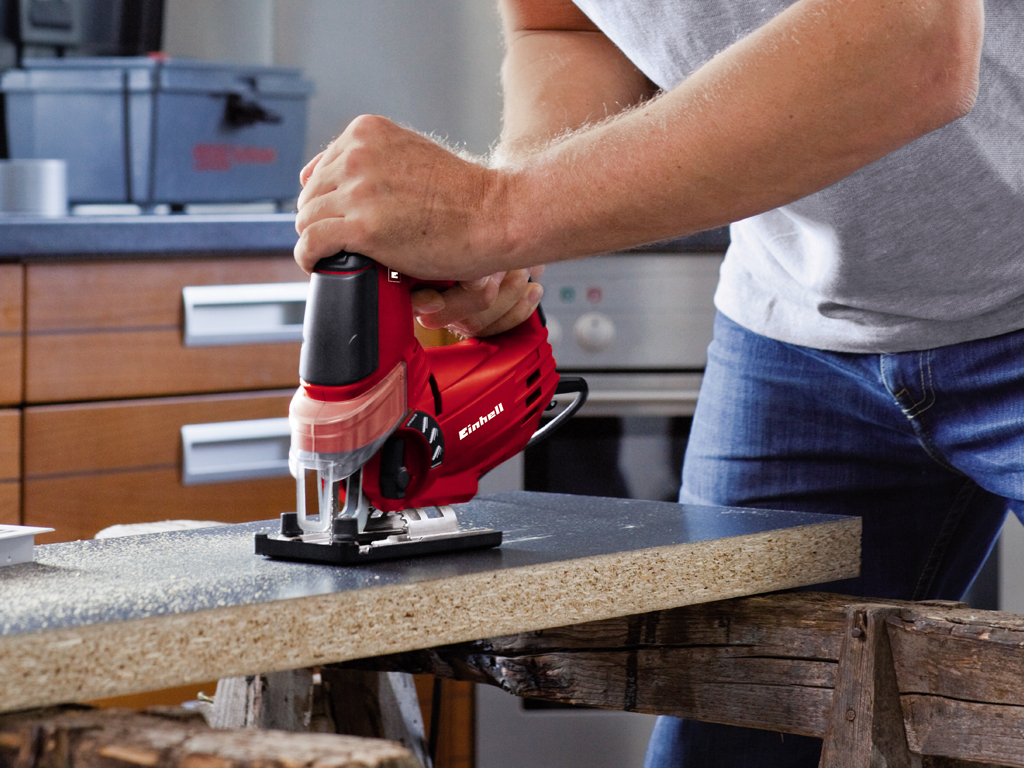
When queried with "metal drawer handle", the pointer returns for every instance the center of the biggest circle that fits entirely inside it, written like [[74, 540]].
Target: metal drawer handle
[[234, 450], [243, 314]]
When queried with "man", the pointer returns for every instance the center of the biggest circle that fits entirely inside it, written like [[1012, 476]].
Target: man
[[870, 307]]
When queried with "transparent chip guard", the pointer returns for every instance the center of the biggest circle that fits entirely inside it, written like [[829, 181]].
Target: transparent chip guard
[[336, 438]]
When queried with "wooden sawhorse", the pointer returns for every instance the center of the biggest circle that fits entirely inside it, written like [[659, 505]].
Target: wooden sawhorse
[[893, 684]]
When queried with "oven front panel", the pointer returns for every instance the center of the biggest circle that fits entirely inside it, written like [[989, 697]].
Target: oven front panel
[[632, 312]]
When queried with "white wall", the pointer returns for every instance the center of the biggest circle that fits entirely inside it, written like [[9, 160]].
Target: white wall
[[221, 30], [430, 64]]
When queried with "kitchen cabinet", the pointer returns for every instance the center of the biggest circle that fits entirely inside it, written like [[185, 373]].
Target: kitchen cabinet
[[92, 465], [11, 322], [11, 378], [112, 377], [10, 466], [104, 330]]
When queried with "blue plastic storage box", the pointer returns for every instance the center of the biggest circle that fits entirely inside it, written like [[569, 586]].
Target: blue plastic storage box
[[147, 131]]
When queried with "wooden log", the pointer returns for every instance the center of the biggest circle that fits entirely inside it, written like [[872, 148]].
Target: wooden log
[[963, 654], [87, 738], [964, 730]]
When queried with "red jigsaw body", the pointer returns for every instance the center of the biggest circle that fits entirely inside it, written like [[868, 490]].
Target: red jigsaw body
[[467, 407]]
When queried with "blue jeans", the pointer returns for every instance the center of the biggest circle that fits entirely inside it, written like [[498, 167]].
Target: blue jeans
[[926, 447]]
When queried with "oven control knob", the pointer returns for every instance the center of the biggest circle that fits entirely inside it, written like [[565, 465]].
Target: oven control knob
[[594, 332]]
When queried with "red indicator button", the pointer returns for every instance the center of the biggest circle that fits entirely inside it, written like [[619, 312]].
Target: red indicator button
[[594, 295]]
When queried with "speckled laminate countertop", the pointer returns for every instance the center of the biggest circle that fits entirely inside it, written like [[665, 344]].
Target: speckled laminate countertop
[[100, 618]]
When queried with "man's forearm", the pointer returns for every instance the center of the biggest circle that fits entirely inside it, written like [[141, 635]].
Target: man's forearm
[[824, 89], [556, 81]]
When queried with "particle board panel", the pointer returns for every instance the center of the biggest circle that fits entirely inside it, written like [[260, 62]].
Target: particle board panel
[[104, 618], [12, 304], [89, 466], [99, 330]]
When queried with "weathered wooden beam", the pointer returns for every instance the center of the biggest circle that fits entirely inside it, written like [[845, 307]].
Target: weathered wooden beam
[[763, 662], [93, 738], [961, 676], [797, 663]]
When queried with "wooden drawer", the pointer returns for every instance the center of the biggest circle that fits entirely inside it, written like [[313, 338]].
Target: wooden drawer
[[12, 305], [92, 465], [107, 330], [10, 466]]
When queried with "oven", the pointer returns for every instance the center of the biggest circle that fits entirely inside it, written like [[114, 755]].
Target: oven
[[636, 326]]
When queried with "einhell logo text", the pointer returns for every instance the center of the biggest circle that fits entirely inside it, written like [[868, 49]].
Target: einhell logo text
[[224, 157], [480, 422]]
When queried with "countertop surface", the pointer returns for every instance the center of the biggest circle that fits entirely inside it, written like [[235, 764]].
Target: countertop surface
[[88, 582], [104, 618], [25, 238]]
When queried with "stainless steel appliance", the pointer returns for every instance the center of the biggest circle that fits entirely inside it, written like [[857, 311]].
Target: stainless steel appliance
[[636, 326]]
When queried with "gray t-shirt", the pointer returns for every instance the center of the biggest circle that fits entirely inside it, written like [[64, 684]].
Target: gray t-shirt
[[922, 248]]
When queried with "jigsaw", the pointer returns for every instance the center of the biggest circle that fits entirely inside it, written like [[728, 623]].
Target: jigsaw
[[397, 434]]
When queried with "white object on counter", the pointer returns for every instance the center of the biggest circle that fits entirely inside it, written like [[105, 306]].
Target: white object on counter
[[34, 188], [134, 529], [16, 543]]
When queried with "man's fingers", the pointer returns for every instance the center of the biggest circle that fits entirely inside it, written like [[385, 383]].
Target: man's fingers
[[322, 239], [486, 309], [519, 313], [307, 171], [319, 197], [478, 285], [478, 303], [318, 209], [427, 301]]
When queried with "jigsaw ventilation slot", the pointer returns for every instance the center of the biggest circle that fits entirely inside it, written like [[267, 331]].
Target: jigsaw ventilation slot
[[531, 398]]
